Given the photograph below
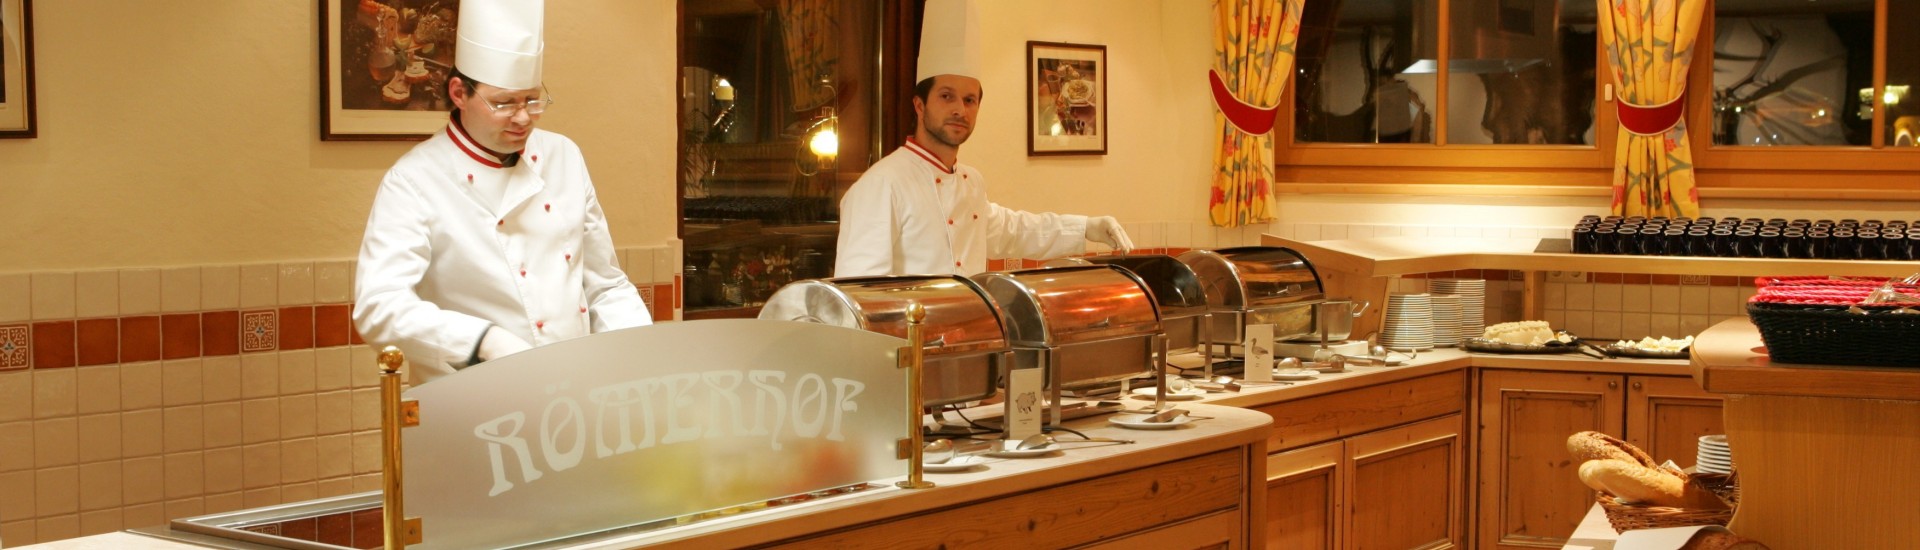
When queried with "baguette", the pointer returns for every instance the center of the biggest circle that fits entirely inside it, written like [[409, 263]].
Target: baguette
[[1598, 446], [1634, 483], [1709, 539]]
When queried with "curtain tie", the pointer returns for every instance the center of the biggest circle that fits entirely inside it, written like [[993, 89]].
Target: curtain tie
[[1651, 120], [1250, 119]]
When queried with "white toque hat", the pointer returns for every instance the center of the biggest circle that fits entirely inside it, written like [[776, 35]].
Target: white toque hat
[[949, 40], [501, 42]]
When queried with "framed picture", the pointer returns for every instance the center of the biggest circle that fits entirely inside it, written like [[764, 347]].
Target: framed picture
[[16, 70], [384, 66], [1066, 99]]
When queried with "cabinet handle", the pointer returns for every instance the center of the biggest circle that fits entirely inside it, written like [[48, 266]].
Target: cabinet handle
[[1613, 384], [1636, 385]]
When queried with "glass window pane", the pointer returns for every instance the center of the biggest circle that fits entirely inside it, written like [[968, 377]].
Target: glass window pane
[[1794, 72], [1521, 72], [1903, 75], [1358, 69]]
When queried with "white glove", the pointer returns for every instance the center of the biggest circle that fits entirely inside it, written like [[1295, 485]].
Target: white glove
[[1106, 230], [499, 343]]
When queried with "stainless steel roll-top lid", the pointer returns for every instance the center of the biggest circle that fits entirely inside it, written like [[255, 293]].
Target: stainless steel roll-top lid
[[1251, 277], [1066, 305], [1175, 286], [960, 317]]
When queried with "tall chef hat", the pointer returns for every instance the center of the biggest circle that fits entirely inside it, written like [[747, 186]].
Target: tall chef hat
[[501, 42], [949, 40]]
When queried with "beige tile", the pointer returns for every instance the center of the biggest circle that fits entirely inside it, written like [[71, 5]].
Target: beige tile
[[260, 420], [330, 283], [331, 368], [259, 286], [141, 433], [100, 486], [639, 266], [366, 482], [1725, 300], [96, 294], [1666, 324], [224, 468], [99, 522], [665, 265], [182, 382], [16, 396], [185, 429], [364, 371], [185, 473], [296, 283], [256, 498], [57, 528], [52, 295], [56, 442], [1665, 298], [1694, 300], [140, 386], [142, 480], [16, 446], [220, 287], [259, 375], [1608, 297], [297, 416], [225, 502], [18, 486], [334, 487], [16, 297], [334, 456], [139, 291], [99, 437], [260, 465], [333, 412], [223, 424], [298, 458], [1607, 325], [1636, 298], [180, 289], [297, 492], [296, 372], [366, 452], [98, 389], [56, 491], [56, 392], [185, 508], [366, 409], [1580, 296], [220, 377], [144, 515]]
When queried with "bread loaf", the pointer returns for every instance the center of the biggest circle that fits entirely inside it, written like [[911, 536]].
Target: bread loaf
[[1710, 539], [1598, 446], [1634, 483]]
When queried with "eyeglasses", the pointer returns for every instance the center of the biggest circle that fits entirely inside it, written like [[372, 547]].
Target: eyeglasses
[[532, 106]]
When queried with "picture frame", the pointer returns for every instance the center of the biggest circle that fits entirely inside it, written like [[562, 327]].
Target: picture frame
[[1066, 99], [18, 119], [384, 67]]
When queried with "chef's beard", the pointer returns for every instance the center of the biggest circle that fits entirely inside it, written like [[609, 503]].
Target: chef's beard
[[945, 136]]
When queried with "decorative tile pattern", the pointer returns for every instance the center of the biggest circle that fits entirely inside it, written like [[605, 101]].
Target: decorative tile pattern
[[257, 331], [14, 347]]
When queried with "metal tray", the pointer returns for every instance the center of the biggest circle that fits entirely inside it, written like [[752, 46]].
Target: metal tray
[[1618, 350], [1496, 346]]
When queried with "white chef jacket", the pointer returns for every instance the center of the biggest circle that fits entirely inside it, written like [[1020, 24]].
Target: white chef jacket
[[910, 214], [457, 241]]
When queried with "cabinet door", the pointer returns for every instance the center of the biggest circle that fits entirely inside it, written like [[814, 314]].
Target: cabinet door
[[1666, 416], [1530, 494], [1306, 497], [1409, 487]]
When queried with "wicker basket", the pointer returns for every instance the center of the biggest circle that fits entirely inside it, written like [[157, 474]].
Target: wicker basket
[[1831, 335], [1627, 517]]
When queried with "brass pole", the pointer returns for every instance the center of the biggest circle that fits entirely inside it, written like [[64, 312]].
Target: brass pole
[[914, 356], [393, 501]]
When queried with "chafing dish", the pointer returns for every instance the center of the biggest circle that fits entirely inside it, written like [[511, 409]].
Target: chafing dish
[[965, 340], [1176, 290], [1254, 285], [1085, 325]]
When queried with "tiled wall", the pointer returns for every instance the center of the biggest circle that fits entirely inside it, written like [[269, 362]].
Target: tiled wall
[[129, 397]]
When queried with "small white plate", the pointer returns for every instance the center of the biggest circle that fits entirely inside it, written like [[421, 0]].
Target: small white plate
[[1147, 392], [1022, 453], [957, 464], [1134, 421], [1296, 375]]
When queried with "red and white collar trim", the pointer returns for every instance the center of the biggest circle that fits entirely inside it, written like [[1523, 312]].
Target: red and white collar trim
[[486, 157], [914, 146]]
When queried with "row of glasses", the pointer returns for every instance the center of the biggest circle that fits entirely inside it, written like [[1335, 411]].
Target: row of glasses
[[1748, 238]]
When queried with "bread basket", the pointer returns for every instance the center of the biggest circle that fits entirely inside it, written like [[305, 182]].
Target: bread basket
[[1628, 517]]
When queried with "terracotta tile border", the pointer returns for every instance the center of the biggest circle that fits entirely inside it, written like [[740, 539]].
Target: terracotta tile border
[[53, 345]]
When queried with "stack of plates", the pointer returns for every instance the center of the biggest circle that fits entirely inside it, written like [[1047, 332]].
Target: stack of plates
[[1714, 455], [1473, 302], [1446, 320], [1409, 325]]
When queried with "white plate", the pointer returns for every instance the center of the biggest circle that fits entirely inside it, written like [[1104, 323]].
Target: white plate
[[1718, 439], [1147, 392], [1304, 375], [957, 464], [1713, 453], [1134, 421], [1023, 453]]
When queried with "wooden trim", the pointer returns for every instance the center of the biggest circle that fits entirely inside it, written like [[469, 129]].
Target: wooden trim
[[1727, 360], [1441, 189], [1879, 137], [1387, 256]]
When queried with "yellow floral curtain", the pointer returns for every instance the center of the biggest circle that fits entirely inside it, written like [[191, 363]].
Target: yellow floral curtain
[[1649, 44], [1253, 48], [807, 32]]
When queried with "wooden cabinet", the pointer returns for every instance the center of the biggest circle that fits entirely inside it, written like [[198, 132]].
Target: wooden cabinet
[[1529, 491], [1396, 488]]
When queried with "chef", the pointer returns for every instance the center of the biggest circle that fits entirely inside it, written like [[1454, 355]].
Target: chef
[[918, 210], [487, 239]]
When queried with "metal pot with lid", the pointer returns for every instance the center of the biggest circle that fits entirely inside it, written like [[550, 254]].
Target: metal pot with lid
[[965, 341]]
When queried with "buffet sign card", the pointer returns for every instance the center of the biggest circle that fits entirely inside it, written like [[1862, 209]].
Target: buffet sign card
[[1024, 404], [650, 423], [1259, 353]]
